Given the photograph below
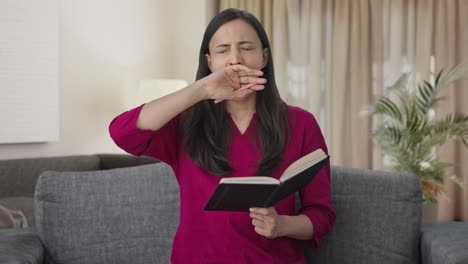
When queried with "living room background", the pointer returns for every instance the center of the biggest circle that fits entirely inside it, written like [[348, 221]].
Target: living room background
[[106, 48]]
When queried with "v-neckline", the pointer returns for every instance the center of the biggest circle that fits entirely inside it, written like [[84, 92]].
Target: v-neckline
[[236, 128]]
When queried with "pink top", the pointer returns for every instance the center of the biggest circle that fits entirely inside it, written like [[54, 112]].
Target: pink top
[[229, 237]]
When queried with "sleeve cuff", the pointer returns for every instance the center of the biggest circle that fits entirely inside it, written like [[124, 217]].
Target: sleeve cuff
[[321, 224]]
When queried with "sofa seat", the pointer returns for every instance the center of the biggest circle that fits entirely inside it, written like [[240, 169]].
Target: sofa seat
[[20, 245], [444, 242]]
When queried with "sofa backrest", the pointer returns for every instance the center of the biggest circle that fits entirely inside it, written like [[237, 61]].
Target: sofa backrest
[[125, 215], [113, 161], [378, 218], [18, 176]]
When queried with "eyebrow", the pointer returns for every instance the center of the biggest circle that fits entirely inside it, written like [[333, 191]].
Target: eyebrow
[[240, 43]]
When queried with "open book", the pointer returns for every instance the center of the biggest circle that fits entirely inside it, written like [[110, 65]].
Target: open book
[[242, 193]]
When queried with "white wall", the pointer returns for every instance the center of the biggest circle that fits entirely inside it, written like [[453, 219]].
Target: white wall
[[106, 47]]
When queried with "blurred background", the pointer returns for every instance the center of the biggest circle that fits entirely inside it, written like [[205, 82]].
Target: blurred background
[[331, 57]]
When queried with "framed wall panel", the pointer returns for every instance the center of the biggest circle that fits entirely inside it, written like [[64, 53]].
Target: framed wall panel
[[29, 71]]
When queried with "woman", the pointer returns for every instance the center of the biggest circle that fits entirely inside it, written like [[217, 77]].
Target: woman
[[231, 122]]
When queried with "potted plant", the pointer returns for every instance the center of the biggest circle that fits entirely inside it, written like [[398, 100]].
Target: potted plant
[[409, 131]]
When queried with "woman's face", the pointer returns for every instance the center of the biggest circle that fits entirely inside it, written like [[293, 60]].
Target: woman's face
[[236, 42]]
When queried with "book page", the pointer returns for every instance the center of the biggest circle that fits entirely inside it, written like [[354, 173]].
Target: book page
[[250, 180], [303, 163]]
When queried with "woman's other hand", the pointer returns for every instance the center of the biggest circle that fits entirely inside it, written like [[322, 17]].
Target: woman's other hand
[[268, 222]]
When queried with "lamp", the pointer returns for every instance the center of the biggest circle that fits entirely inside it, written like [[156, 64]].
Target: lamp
[[153, 89]]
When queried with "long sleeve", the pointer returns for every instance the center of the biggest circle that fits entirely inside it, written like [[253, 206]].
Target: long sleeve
[[316, 196], [160, 144]]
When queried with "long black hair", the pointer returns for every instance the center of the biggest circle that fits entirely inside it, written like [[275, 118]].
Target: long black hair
[[206, 128]]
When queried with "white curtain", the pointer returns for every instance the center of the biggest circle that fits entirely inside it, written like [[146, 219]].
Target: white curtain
[[329, 72]]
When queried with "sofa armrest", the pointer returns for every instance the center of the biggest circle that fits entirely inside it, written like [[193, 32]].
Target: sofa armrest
[[113, 161], [444, 243], [20, 245]]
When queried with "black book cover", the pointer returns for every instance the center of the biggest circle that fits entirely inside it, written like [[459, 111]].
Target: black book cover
[[242, 196]]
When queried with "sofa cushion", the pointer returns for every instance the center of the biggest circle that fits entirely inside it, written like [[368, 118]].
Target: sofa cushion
[[378, 218], [20, 245], [18, 176], [126, 215]]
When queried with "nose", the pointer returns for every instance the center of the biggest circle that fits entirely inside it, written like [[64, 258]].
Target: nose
[[235, 57]]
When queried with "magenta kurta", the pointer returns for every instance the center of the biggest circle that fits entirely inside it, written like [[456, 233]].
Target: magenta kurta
[[229, 237]]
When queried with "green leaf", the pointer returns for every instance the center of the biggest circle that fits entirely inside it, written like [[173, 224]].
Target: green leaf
[[386, 107]]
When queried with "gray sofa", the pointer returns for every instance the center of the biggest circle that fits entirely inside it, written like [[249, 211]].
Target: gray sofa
[[86, 210], [18, 176]]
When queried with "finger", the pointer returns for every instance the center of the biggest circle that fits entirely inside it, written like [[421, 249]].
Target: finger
[[249, 73], [239, 67], [252, 79], [244, 90], [258, 223], [254, 209], [262, 211], [247, 86], [244, 71], [267, 220], [257, 216], [232, 77], [257, 87], [260, 231]]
